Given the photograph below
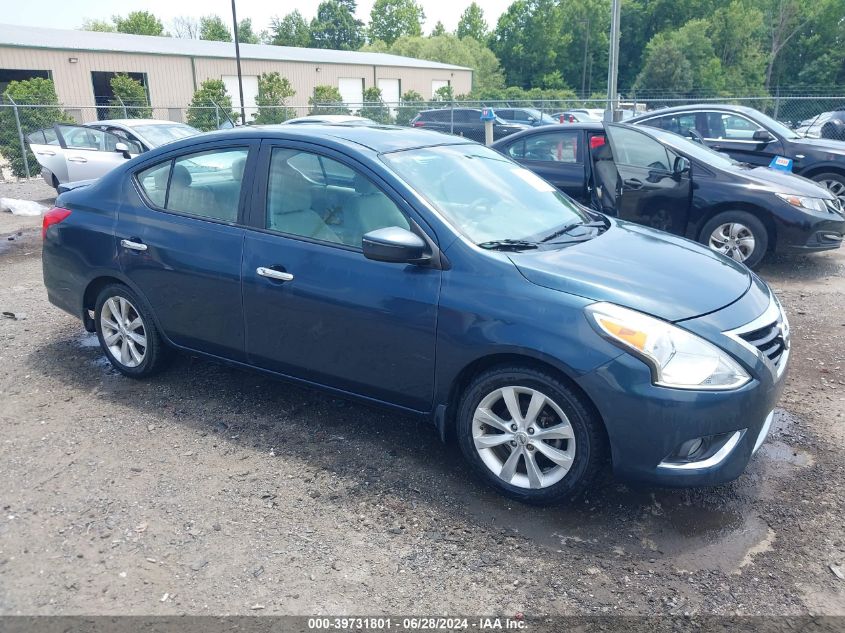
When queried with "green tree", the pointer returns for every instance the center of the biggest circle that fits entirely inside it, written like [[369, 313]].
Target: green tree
[[335, 27], [448, 49], [391, 19], [291, 30], [213, 28], [410, 105], [374, 107], [666, 69], [35, 91], [273, 90], [210, 106], [438, 29], [736, 32], [472, 23], [139, 23], [103, 26], [444, 93], [246, 35], [130, 98], [327, 100]]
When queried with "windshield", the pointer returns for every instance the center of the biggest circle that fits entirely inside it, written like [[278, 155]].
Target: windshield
[[162, 133], [484, 195], [693, 149], [775, 126]]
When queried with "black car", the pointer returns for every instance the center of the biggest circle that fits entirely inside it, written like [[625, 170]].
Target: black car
[[665, 181], [464, 122], [750, 136], [527, 116]]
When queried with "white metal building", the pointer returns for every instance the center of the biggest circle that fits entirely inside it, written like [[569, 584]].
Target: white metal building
[[81, 64]]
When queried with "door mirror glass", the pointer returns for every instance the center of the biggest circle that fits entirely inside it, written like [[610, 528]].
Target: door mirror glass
[[395, 245], [681, 166], [763, 136]]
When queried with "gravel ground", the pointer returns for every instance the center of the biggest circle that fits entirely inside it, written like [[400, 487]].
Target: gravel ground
[[213, 491]]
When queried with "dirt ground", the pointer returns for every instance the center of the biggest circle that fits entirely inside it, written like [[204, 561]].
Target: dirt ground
[[213, 491]]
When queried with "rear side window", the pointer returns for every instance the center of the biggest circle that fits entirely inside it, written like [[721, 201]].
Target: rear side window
[[555, 147], [205, 184], [517, 150], [154, 182]]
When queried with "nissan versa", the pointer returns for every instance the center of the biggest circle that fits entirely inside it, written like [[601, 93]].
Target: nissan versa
[[434, 275]]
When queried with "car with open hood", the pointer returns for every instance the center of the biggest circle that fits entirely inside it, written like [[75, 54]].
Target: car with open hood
[[432, 275]]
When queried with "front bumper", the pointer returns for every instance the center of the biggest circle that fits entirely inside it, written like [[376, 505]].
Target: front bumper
[[646, 424], [810, 232]]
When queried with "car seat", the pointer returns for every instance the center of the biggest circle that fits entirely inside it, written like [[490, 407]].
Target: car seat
[[187, 198], [606, 178], [289, 205]]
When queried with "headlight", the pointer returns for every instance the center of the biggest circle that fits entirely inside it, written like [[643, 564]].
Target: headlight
[[803, 202], [677, 357]]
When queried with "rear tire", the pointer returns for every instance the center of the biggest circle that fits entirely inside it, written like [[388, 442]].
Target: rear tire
[[127, 333], [547, 452], [833, 182], [737, 234]]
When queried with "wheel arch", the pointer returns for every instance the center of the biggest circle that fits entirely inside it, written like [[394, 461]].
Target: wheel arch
[[825, 168], [759, 212], [95, 287], [484, 363]]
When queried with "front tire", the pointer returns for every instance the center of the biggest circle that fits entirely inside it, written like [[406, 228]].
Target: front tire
[[738, 235], [127, 333], [527, 434]]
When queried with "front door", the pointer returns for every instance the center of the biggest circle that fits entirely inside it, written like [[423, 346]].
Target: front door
[[315, 307], [652, 194], [180, 244], [733, 134]]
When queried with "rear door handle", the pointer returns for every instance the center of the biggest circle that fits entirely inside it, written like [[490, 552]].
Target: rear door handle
[[46, 153], [633, 183], [77, 159], [271, 273], [133, 246]]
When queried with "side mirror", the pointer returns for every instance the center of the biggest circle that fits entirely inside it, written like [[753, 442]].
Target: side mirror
[[763, 136], [123, 148], [681, 166], [395, 245]]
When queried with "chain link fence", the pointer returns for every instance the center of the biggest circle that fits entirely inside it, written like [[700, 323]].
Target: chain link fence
[[19, 121]]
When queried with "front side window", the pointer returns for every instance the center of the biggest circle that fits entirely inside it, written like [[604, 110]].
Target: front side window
[[634, 148], [556, 147], [318, 198], [484, 195], [731, 127]]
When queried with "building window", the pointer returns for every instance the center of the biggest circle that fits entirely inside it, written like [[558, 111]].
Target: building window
[[8, 75], [104, 95]]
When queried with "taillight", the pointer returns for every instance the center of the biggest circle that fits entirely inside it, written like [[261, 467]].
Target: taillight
[[53, 216], [419, 123], [597, 141]]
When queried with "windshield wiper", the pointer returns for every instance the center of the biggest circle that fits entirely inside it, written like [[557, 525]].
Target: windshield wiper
[[598, 224], [508, 245]]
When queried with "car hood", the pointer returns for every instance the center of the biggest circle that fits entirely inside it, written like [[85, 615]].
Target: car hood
[[821, 144], [633, 266], [785, 182]]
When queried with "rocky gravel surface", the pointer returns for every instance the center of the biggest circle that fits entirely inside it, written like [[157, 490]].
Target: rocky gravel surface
[[209, 490]]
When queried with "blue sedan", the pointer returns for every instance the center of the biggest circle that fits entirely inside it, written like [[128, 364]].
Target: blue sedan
[[433, 275]]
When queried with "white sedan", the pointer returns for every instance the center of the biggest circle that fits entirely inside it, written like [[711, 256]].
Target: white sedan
[[69, 153]]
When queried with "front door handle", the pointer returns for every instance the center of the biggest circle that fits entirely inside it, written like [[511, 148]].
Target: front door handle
[[633, 183], [77, 159], [133, 246], [271, 273]]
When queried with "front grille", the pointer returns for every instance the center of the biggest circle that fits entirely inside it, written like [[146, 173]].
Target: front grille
[[770, 340], [834, 206]]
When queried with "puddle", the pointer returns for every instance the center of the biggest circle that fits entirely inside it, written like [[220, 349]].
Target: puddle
[[781, 455], [88, 340]]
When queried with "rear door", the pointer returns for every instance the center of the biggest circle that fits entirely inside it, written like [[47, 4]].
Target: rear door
[[180, 240], [733, 134], [49, 152], [90, 153], [557, 156], [652, 194]]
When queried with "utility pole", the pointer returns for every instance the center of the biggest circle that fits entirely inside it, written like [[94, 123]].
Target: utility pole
[[238, 62], [586, 49], [610, 113]]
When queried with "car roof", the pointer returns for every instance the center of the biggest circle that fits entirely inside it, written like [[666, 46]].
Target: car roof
[[330, 118], [725, 107], [379, 138], [589, 126], [134, 122]]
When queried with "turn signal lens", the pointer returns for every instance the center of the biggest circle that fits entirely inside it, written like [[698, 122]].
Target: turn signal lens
[[53, 216]]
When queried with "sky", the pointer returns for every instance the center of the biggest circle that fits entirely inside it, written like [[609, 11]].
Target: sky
[[66, 14]]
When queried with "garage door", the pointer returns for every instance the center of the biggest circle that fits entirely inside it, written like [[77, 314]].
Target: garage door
[[351, 91], [250, 83], [437, 84], [389, 91]]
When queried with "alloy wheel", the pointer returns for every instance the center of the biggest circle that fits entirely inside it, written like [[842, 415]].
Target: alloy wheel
[[835, 187], [734, 240], [123, 331], [523, 437]]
